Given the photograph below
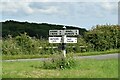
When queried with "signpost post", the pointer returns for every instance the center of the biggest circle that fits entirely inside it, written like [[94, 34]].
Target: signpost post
[[64, 42], [64, 39]]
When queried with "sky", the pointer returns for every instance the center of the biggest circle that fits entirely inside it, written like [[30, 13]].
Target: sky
[[70, 13]]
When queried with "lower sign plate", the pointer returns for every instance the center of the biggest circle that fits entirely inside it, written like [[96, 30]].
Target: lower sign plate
[[59, 40], [71, 40], [54, 39]]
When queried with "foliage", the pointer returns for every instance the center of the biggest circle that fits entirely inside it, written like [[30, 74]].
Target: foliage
[[41, 30], [23, 44], [99, 38], [104, 37], [59, 62]]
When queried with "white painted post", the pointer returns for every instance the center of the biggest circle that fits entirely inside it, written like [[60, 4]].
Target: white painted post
[[64, 38], [64, 42]]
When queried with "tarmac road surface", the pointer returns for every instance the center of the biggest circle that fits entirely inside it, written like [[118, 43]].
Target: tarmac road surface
[[105, 56]]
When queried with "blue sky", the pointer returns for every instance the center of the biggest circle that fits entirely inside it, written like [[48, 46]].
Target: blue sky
[[80, 14]]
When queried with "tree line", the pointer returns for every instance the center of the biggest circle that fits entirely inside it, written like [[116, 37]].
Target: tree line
[[38, 30]]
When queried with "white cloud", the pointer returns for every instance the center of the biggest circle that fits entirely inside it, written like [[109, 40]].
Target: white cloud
[[109, 5], [9, 7], [50, 10], [65, 9], [25, 7], [14, 7]]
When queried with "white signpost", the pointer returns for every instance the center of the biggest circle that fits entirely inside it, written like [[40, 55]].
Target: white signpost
[[63, 39]]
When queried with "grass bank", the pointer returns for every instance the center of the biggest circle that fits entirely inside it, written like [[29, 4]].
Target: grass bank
[[111, 51], [8, 57], [86, 68]]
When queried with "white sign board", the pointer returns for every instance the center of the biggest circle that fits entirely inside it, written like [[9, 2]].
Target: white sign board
[[71, 32], [59, 40], [62, 32], [54, 39], [71, 40], [55, 32]]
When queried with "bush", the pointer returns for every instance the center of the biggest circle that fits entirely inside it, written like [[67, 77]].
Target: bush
[[60, 62], [22, 44], [26, 45]]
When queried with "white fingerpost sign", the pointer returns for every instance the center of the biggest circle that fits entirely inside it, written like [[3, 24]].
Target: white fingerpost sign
[[64, 39], [71, 32], [71, 40], [54, 39]]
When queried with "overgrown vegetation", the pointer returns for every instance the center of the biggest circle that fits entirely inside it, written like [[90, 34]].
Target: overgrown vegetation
[[25, 45], [59, 62]]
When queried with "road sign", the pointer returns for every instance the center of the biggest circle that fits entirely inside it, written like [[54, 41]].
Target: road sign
[[71, 32], [71, 40], [63, 39], [55, 32], [54, 39], [63, 32], [59, 40]]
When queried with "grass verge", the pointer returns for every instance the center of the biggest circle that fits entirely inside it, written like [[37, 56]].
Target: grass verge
[[86, 68], [8, 57], [112, 51]]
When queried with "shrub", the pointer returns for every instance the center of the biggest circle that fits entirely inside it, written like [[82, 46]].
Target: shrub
[[60, 62], [22, 44]]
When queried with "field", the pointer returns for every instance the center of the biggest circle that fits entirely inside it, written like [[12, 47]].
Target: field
[[86, 68]]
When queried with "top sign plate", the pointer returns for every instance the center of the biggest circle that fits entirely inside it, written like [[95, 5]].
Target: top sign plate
[[62, 32], [55, 32]]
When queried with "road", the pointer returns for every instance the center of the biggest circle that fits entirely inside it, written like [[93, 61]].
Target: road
[[105, 56]]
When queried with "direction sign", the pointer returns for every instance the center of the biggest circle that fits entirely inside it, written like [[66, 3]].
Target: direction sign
[[54, 39], [62, 32], [55, 32], [59, 40], [63, 39], [71, 32], [71, 40]]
